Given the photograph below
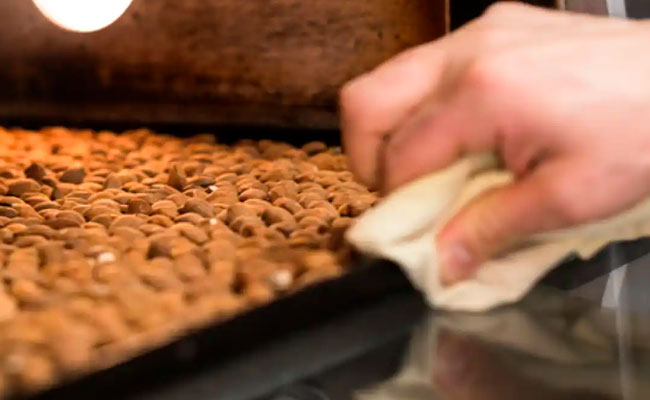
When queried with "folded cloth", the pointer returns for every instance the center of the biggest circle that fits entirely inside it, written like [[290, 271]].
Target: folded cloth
[[403, 228]]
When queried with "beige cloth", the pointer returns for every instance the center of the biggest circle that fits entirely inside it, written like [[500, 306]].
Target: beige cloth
[[403, 227]]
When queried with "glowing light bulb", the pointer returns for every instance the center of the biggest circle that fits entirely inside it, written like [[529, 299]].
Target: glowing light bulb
[[83, 15]]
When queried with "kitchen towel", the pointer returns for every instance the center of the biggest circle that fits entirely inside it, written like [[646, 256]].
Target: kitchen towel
[[403, 227]]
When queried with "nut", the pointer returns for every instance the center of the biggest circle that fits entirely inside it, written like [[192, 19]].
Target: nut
[[73, 175], [165, 207], [290, 205], [199, 206], [246, 225], [238, 210], [312, 148], [138, 206], [36, 172], [22, 186], [274, 215], [253, 194], [111, 244], [192, 232], [130, 221], [177, 177]]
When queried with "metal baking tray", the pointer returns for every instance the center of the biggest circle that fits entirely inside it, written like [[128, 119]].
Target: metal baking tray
[[365, 283]]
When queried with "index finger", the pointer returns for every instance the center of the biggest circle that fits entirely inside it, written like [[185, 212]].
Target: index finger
[[375, 104]]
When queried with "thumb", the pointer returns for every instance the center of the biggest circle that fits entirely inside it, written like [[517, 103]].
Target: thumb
[[493, 222]]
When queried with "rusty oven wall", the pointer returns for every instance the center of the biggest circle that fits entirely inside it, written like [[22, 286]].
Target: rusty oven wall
[[255, 62]]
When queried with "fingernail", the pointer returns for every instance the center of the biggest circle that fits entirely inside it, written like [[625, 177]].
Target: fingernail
[[456, 263]]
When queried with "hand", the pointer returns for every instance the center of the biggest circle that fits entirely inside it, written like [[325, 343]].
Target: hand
[[564, 99]]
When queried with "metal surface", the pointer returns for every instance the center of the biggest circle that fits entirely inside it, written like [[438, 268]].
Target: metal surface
[[279, 366], [624, 288], [614, 8], [617, 8], [597, 7]]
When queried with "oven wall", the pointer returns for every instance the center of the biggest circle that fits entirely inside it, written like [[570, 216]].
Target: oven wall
[[272, 63]]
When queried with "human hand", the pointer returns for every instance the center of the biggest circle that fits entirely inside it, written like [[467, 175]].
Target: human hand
[[564, 99]]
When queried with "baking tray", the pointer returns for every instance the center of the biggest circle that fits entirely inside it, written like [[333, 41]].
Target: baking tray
[[329, 361], [366, 282]]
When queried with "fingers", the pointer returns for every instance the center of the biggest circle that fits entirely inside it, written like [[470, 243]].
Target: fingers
[[497, 220], [374, 104], [378, 103], [440, 134], [550, 197], [399, 100]]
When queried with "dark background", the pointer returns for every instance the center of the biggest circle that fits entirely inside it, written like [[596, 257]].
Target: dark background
[[465, 10], [638, 8]]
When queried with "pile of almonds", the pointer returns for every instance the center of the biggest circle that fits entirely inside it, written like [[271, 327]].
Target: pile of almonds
[[112, 244]]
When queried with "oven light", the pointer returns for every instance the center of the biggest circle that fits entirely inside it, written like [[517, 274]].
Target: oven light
[[82, 15]]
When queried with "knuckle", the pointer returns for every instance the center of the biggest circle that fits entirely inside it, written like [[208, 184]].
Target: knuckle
[[492, 37], [355, 107], [484, 229], [352, 96], [483, 74], [563, 204], [503, 9], [496, 72], [489, 33], [486, 236]]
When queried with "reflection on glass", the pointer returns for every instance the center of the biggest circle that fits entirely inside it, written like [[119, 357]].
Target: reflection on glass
[[549, 347]]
